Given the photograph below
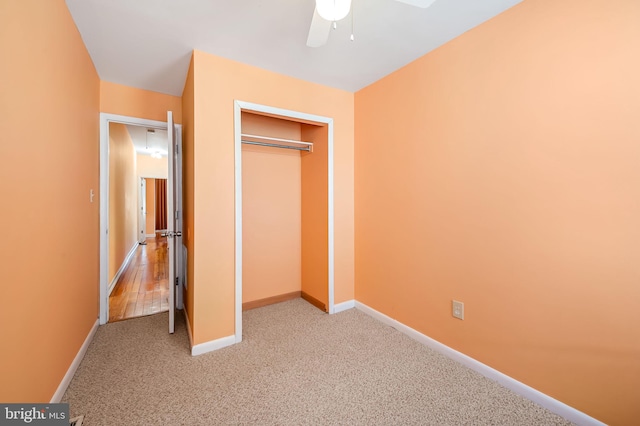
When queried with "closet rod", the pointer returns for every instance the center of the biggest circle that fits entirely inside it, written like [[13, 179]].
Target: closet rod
[[308, 146], [275, 145]]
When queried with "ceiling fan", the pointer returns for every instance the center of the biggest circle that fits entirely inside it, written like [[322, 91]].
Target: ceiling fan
[[328, 12]]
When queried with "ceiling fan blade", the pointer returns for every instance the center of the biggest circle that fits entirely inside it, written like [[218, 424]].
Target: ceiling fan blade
[[319, 31], [418, 3]]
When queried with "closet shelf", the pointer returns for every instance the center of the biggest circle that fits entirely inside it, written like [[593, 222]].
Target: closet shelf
[[276, 142]]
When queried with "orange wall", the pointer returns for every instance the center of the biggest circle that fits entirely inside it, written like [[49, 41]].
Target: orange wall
[[147, 166], [315, 222], [150, 225], [217, 82], [123, 197], [132, 102], [49, 103], [502, 170], [188, 187], [271, 214]]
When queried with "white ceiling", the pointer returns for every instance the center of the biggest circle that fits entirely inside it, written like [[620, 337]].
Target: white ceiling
[[146, 143], [147, 43]]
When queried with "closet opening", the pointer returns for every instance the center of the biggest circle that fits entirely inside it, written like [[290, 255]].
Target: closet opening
[[284, 208]]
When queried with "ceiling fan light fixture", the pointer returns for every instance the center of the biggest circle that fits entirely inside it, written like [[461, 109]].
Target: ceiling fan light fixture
[[333, 10]]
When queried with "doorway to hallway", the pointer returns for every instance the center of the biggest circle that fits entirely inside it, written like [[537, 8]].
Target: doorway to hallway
[[143, 287], [120, 209]]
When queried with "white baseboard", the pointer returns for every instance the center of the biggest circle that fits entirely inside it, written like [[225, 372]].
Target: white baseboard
[[520, 388], [344, 306], [64, 384], [124, 265], [213, 345]]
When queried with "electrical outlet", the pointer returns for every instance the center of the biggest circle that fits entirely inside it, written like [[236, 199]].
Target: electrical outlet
[[458, 310]]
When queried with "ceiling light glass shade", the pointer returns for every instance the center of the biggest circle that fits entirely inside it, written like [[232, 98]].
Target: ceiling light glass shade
[[333, 10]]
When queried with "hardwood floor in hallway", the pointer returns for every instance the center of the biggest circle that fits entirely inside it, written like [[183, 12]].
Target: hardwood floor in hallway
[[143, 288]]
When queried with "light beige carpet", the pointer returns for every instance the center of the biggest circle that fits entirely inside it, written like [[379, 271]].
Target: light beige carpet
[[295, 366]]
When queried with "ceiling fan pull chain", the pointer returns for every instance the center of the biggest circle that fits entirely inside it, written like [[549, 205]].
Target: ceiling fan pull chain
[[353, 12]]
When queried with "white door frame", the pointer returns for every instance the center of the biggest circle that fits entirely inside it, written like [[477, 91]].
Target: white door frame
[[239, 107], [105, 120]]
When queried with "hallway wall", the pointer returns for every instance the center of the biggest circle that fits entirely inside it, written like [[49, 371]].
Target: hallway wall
[[123, 197], [147, 166]]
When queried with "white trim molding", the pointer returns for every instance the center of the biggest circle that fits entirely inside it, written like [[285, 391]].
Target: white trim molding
[[344, 306], [330, 214], [124, 265], [213, 345], [240, 106], [237, 130], [66, 380], [516, 386]]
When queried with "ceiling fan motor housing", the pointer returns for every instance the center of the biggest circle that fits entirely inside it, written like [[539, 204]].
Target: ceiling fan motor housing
[[333, 10]]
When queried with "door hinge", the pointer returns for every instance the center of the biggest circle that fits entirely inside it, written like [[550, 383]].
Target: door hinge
[[171, 234], [176, 280]]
